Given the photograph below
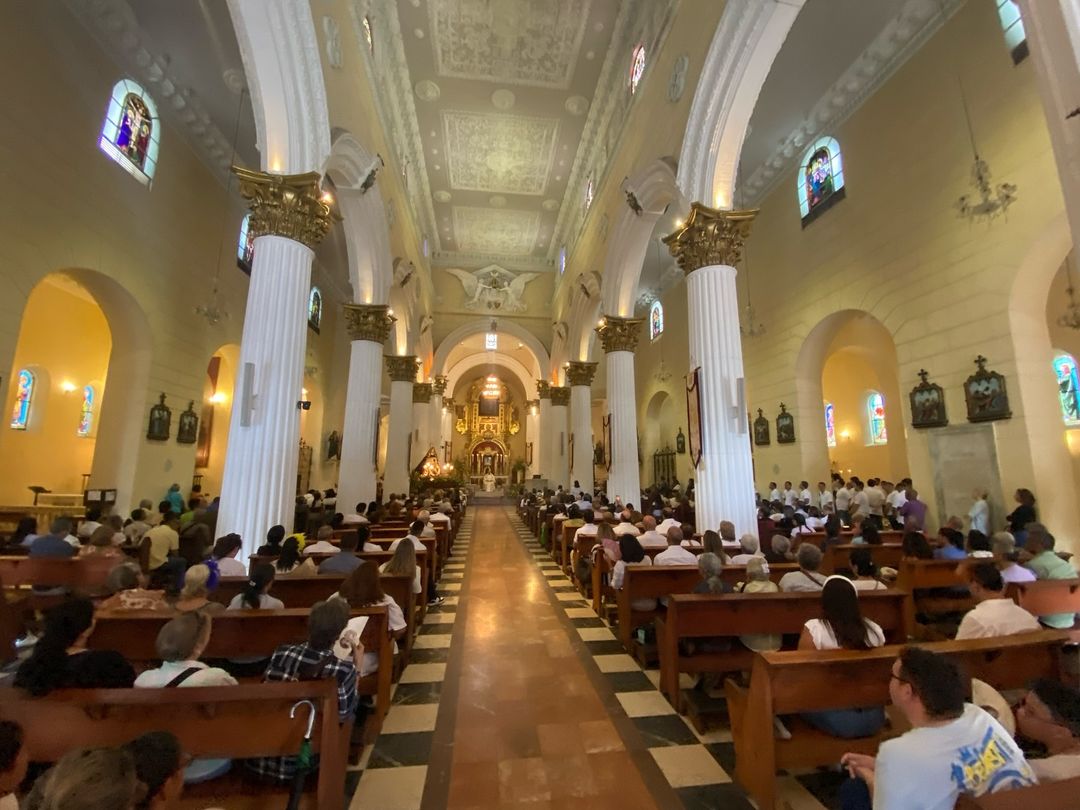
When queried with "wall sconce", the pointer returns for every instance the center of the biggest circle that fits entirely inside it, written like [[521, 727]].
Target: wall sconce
[[67, 386], [303, 405], [218, 398], [845, 435]]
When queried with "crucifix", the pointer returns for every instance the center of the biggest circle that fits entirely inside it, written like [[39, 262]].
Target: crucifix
[[981, 361], [923, 374]]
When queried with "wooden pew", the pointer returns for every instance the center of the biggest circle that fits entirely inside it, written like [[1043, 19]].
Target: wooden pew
[[787, 683], [217, 721], [916, 577], [1049, 795], [1049, 596], [692, 616], [836, 557], [82, 573], [240, 634]]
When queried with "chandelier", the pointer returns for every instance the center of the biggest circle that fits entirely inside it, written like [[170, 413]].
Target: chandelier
[[753, 328], [1070, 318], [662, 373], [491, 388]]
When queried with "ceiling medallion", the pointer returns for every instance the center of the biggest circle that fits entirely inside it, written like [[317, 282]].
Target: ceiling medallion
[[577, 105], [503, 99], [441, 196], [427, 90]]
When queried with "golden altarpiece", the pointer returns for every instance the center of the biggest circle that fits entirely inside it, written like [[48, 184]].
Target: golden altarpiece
[[486, 421]]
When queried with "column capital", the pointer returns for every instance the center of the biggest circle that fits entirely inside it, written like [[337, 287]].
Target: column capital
[[533, 405], [449, 405], [368, 322], [580, 373], [710, 237], [288, 205], [401, 368], [560, 395], [543, 389], [619, 334], [438, 385], [421, 392]]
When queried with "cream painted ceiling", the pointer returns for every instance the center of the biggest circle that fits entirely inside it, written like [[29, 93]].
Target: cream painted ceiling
[[502, 89]]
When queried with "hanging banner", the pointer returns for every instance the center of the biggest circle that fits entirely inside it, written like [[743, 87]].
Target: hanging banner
[[693, 415]]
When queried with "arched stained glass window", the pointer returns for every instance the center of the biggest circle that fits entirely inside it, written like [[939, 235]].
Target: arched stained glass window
[[589, 191], [369, 34], [131, 130], [314, 318], [875, 419], [86, 413], [821, 179], [656, 320], [245, 245], [562, 260], [24, 396], [830, 425], [1068, 388], [637, 67], [1013, 26]]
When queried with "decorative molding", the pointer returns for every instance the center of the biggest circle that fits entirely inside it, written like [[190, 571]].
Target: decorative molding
[[511, 154], [502, 231], [286, 205], [710, 237], [543, 389], [371, 322], [401, 368], [580, 373], [332, 37], [560, 396], [454, 259], [421, 393], [619, 334]]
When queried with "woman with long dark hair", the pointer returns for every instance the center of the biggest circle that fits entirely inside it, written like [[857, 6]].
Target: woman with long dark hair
[[842, 627], [289, 560], [60, 658], [1022, 515], [272, 547], [256, 593], [361, 588]]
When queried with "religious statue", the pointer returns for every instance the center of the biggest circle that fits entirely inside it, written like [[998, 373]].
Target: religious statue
[[493, 288], [489, 481], [333, 446]]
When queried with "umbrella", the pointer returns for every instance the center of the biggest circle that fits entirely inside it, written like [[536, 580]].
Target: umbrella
[[305, 756]]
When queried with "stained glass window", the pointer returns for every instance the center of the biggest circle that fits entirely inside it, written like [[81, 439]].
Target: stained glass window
[[24, 395], [1068, 388], [562, 260], [656, 320], [830, 425], [875, 418], [314, 317], [245, 246], [491, 341], [637, 67], [86, 413], [1013, 26], [131, 130], [821, 178], [589, 190], [369, 35]]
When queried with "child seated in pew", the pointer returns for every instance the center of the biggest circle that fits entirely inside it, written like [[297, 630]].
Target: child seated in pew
[[1049, 714], [180, 644], [843, 628], [13, 763], [60, 659], [404, 562]]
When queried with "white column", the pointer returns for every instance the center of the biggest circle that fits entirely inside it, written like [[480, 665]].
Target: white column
[[560, 436], [368, 326], [435, 415], [580, 377], [258, 489], [619, 338], [447, 430], [421, 414], [402, 372], [708, 247], [542, 445], [532, 436]]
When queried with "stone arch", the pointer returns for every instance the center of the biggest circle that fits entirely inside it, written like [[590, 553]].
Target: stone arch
[[481, 325], [655, 189], [461, 368], [658, 431], [742, 52], [584, 314]]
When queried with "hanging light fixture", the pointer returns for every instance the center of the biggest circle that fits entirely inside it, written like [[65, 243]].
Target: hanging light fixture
[[1070, 318], [212, 310]]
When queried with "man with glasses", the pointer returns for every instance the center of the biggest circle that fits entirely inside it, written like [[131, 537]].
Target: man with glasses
[[953, 747]]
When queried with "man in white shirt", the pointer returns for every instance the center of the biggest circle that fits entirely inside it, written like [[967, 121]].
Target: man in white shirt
[[875, 497], [360, 516], [651, 538], [675, 554], [750, 548], [668, 523], [90, 524], [860, 502], [789, 495], [322, 544], [624, 526], [953, 747], [774, 493], [806, 497], [824, 496], [415, 532], [843, 503], [588, 529], [993, 614]]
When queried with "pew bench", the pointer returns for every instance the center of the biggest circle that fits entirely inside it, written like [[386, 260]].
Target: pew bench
[[928, 583], [1048, 596], [75, 573], [693, 616], [787, 683], [1049, 795], [218, 721], [836, 557]]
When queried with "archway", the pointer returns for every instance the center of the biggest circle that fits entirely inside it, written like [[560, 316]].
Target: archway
[[490, 405], [481, 326], [658, 445], [218, 392], [105, 338]]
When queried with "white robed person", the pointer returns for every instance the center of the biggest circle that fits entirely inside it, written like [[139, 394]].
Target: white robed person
[[489, 481]]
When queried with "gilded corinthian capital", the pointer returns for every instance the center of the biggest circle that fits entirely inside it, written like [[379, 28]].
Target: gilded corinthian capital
[[401, 369], [438, 385], [543, 389], [288, 205], [619, 334], [368, 322], [421, 392], [578, 373], [710, 237], [560, 395]]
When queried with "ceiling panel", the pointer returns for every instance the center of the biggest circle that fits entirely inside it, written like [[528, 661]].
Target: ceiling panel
[[500, 153], [494, 230]]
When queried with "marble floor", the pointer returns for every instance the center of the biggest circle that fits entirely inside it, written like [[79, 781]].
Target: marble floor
[[519, 696]]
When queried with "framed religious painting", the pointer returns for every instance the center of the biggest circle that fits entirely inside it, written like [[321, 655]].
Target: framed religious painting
[[333, 446], [680, 442], [693, 415], [188, 431], [529, 453], [927, 403], [160, 421], [785, 426], [985, 394], [761, 430], [607, 442]]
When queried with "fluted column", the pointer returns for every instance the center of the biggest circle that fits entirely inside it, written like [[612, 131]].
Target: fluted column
[[258, 488], [560, 435], [542, 445], [619, 337], [447, 431], [707, 248], [580, 377], [368, 327], [402, 371], [532, 436], [421, 417], [435, 414]]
